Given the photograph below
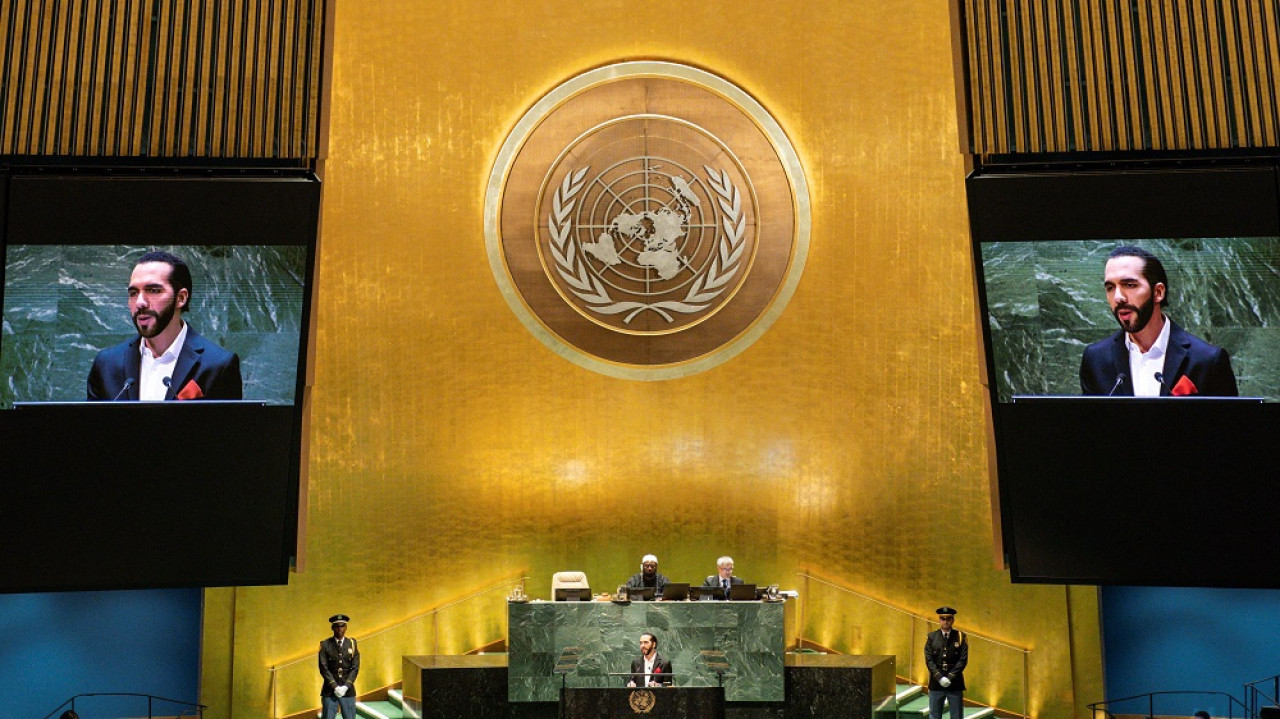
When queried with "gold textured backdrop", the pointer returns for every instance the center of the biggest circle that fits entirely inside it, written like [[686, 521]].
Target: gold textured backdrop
[[449, 448]]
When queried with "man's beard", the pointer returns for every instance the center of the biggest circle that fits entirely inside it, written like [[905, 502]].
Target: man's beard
[[1142, 315], [162, 320]]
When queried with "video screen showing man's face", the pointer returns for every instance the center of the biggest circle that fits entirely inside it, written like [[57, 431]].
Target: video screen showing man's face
[[64, 305], [1050, 306], [168, 359]]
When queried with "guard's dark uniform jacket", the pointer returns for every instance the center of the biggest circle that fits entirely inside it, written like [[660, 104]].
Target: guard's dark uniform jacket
[[946, 658], [339, 665]]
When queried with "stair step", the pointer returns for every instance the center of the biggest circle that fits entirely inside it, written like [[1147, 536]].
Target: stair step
[[908, 691], [920, 705], [378, 710], [397, 697]]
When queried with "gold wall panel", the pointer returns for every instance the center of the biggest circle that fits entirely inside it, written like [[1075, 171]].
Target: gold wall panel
[[450, 448], [1097, 75]]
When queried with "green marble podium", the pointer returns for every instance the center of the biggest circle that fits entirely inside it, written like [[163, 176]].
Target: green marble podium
[[604, 637]]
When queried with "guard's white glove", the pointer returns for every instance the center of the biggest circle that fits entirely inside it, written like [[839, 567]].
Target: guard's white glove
[[945, 682], [341, 691]]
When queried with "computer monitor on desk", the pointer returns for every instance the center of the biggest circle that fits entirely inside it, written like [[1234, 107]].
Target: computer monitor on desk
[[676, 592], [573, 594], [640, 594]]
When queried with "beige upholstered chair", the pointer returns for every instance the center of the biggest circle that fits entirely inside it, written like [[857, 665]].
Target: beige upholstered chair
[[569, 580]]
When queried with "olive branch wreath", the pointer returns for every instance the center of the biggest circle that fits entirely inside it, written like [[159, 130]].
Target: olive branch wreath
[[587, 287]]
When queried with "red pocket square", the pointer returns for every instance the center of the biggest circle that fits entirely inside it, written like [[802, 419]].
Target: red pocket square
[[1184, 387], [191, 390], [657, 670]]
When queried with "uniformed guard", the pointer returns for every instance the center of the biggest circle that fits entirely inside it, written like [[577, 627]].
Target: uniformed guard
[[339, 665], [946, 652]]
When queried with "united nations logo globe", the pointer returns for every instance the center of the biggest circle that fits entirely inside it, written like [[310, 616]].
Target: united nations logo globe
[[647, 220], [642, 701], [647, 244]]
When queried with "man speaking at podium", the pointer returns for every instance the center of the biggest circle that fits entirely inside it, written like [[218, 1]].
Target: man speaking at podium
[[1150, 356], [168, 359], [651, 669]]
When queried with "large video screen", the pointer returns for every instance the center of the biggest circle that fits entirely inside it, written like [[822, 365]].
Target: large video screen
[[1133, 411], [64, 304], [153, 337], [1046, 302]]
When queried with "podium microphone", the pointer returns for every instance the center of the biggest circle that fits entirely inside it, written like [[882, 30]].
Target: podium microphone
[[1120, 378], [127, 384], [1160, 378]]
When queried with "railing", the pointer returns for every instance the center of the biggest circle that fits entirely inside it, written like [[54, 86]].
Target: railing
[[1254, 692], [848, 621], [121, 704], [1146, 705], [451, 628]]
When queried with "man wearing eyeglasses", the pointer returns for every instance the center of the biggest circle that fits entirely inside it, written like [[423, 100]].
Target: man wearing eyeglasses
[[946, 652], [723, 578]]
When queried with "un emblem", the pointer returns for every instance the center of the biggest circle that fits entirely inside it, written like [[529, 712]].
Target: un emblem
[[647, 220], [642, 701], [647, 235]]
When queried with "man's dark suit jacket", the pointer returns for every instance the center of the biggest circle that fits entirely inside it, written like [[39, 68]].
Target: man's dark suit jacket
[[339, 666], [714, 581], [214, 370], [637, 581], [946, 657], [661, 670], [1208, 367]]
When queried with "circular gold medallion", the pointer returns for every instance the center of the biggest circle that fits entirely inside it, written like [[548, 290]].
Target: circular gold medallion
[[642, 701], [647, 220]]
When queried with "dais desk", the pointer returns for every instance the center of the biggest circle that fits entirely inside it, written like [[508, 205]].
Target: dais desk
[[607, 637]]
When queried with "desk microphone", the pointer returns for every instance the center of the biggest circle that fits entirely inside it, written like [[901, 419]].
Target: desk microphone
[[1120, 378], [127, 384]]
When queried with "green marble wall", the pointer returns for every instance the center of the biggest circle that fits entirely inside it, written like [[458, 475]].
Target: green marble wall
[[1046, 303], [65, 303], [750, 634]]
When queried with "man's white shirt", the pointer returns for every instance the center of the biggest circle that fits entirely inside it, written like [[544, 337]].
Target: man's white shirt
[[154, 371], [1143, 366]]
